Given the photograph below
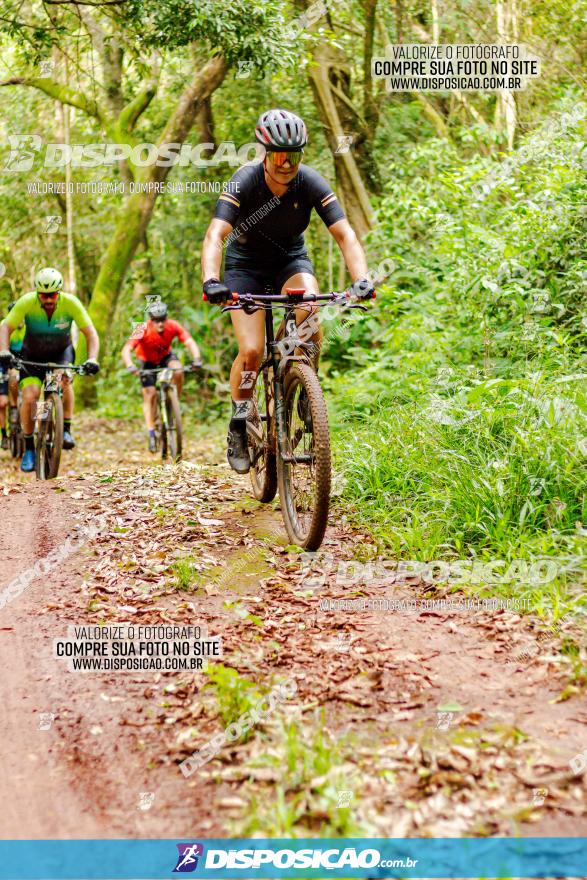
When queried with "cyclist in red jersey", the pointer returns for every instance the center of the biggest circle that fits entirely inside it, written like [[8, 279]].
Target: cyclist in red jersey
[[152, 346]]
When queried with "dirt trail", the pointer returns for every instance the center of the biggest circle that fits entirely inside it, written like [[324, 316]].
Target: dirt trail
[[380, 685]]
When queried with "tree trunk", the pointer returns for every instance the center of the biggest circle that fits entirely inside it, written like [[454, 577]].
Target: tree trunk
[[399, 22], [505, 112], [137, 213], [434, 14], [324, 73], [205, 123], [138, 210]]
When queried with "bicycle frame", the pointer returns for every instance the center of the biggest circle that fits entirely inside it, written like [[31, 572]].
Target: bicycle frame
[[51, 384], [279, 362], [163, 381]]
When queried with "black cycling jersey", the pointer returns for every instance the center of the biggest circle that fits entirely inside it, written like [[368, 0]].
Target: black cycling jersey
[[272, 226]]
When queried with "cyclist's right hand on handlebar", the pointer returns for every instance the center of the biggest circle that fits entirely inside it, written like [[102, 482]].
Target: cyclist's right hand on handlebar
[[91, 367], [362, 289], [6, 360], [216, 292], [134, 371]]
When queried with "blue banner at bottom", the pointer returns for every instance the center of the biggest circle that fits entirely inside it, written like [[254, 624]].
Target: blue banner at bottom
[[308, 857]]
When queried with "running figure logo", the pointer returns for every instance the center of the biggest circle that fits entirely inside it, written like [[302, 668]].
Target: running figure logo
[[187, 861]]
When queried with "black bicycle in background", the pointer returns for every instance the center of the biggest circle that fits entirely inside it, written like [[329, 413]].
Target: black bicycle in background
[[288, 433], [15, 435], [168, 427]]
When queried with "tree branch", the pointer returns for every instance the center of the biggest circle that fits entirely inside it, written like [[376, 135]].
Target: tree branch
[[84, 3], [60, 93], [206, 80], [129, 115]]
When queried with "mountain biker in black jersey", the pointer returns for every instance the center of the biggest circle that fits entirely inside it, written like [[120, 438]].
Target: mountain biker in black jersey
[[263, 215]]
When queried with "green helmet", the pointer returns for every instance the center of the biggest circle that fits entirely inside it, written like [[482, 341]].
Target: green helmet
[[48, 280]]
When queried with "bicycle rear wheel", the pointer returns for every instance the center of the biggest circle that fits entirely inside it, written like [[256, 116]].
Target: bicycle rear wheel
[[304, 476], [261, 440], [50, 438], [172, 432]]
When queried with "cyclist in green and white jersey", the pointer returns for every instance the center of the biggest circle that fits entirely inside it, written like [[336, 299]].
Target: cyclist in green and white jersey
[[47, 313]]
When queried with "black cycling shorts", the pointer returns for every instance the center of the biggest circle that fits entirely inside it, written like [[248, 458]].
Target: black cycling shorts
[[253, 276], [65, 357], [3, 386], [149, 380]]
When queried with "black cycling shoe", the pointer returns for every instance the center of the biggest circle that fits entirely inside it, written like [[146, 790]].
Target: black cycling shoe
[[304, 411], [238, 451], [68, 441]]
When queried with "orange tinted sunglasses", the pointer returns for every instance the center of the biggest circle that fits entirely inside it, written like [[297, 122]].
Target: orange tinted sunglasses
[[279, 158]]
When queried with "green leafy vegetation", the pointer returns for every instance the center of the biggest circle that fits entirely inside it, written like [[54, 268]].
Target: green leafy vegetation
[[460, 402], [234, 694], [314, 794]]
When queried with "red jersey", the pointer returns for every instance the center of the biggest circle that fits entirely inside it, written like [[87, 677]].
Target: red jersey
[[149, 345]]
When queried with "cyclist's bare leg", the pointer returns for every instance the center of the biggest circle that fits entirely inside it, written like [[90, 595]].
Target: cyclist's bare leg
[[310, 284], [3, 407], [13, 387], [178, 376], [250, 336], [149, 403], [30, 395], [68, 397]]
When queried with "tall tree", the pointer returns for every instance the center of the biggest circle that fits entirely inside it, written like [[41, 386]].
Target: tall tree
[[218, 34]]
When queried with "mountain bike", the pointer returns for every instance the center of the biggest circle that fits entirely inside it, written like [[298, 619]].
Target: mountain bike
[[168, 429], [49, 416], [288, 434], [15, 437]]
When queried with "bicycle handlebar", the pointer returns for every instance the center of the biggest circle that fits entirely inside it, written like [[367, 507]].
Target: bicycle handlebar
[[75, 368], [188, 369], [251, 302]]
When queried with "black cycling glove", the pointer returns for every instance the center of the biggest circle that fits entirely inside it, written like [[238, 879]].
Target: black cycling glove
[[91, 367], [362, 289], [216, 292]]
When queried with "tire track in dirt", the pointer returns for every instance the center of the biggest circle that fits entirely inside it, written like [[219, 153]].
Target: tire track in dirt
[[35, 790]]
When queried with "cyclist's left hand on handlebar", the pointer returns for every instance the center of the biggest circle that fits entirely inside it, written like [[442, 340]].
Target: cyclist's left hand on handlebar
[[196, 364], [6, 359], [363, 289], [91, 367]]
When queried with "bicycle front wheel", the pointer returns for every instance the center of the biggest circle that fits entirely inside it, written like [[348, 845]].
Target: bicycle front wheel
[[172, 427], [304, 470], [16, 438], [50, 438]]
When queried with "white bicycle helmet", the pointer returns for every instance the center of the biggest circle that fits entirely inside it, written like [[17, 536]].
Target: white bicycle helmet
[[281, 130], [48, 280]]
